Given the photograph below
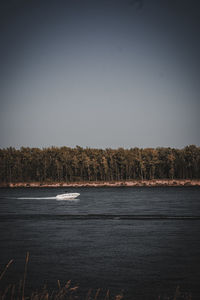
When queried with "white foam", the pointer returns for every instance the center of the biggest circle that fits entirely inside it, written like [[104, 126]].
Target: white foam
[[36, 198], [46, 198]]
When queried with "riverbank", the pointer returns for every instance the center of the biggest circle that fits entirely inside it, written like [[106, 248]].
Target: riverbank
[[126, 183]]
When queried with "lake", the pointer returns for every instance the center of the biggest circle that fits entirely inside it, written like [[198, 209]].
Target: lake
[[144, 241]]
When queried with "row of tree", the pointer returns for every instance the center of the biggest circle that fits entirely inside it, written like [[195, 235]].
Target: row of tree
[[86, 164]]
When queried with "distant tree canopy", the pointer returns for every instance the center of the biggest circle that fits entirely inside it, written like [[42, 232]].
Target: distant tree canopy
[[86, 164]]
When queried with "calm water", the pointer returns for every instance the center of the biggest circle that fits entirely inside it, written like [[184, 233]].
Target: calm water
[[99, 241]]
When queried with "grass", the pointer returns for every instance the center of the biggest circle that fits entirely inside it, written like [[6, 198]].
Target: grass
[[66, 292]]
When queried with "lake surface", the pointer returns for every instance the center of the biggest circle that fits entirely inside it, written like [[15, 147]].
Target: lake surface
[[144, 241]]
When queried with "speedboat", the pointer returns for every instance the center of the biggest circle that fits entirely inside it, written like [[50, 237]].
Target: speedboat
[[67, 196]]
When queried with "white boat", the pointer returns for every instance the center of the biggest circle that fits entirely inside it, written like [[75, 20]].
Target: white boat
[[67, 196]]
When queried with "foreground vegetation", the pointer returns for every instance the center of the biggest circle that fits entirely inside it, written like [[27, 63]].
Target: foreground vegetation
[[78, 164], [66, 292]]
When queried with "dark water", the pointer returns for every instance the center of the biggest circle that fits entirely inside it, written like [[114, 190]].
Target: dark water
[[144, 241]]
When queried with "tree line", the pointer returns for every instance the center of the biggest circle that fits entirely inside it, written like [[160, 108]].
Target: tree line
[[66, 164]]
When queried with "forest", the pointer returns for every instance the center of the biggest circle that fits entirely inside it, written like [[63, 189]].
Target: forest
[[65, 164]]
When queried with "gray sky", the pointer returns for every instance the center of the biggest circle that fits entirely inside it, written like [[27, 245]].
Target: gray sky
[[100, 74]]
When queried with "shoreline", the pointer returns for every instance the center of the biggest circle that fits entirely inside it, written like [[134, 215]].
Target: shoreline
[[121, 183]]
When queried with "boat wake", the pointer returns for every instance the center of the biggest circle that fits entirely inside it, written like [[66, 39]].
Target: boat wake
[[114, 217], [67, 196], [36, 198]]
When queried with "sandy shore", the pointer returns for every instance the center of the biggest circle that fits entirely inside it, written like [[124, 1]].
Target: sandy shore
[[128, 183]]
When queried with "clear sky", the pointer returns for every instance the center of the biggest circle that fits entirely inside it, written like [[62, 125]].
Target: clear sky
[[107, 73]]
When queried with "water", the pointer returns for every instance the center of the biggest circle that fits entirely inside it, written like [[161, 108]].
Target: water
[[144, 241]]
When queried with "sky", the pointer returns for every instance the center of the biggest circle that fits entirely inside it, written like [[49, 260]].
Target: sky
[[100, 74]]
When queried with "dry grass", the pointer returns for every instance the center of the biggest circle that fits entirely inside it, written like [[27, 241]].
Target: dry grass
[[66, 292]]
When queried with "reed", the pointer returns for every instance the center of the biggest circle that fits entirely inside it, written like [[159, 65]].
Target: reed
[[6, 268], [25, 273], [66, 292]]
